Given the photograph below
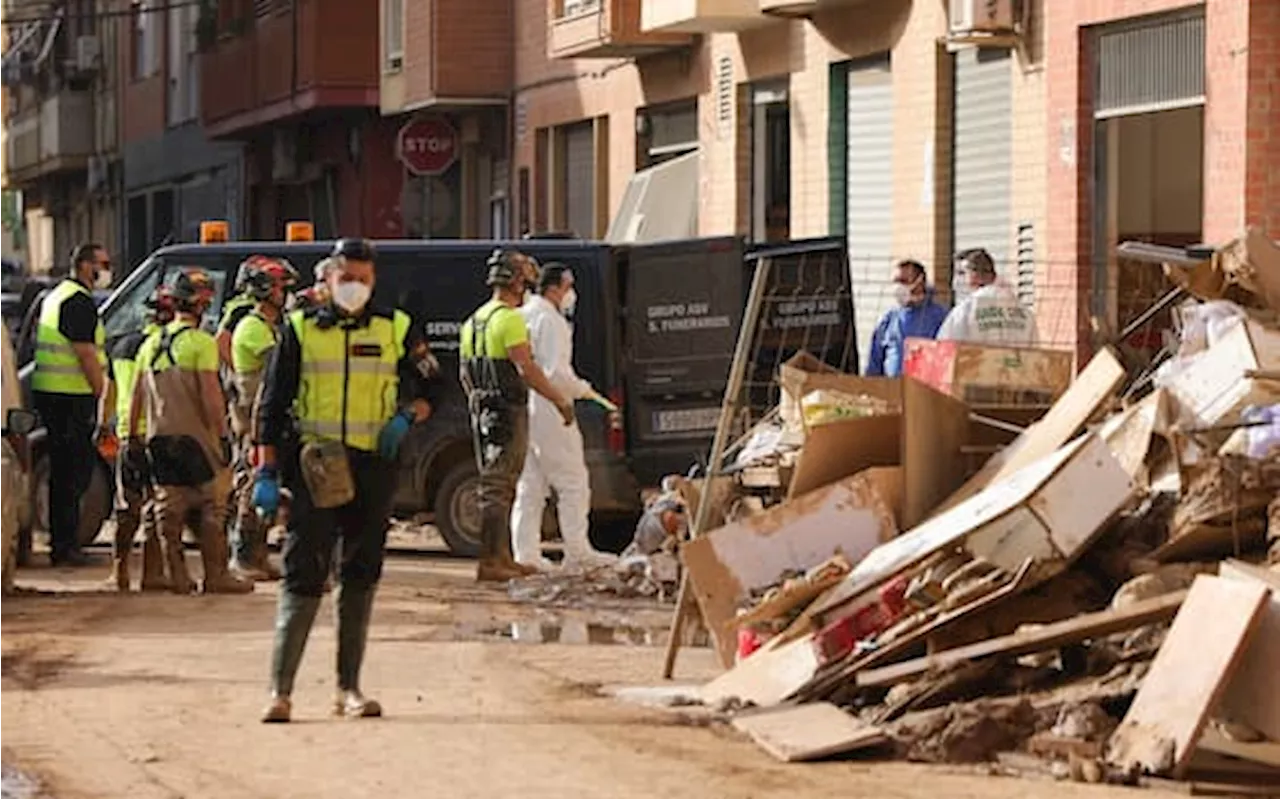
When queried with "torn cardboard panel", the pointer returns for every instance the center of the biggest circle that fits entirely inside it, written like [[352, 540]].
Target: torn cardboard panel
[[727, 564], [925, 436], [1035, 513], [1092, 390], [1250, 263], [1138, 436], [1191, 671]]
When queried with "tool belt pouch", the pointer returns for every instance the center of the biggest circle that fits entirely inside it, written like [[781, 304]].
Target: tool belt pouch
[[178, 461], [326, 471]]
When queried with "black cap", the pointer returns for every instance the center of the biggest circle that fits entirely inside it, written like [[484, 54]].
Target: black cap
[[355, 249]]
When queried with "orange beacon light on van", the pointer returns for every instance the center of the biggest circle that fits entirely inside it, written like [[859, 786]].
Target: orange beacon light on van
[[214, 232], [299, 231]]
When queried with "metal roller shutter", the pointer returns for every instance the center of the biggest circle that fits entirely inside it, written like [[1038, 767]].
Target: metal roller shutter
[[579, 172], [983, 157], [1150, 64], [869, 196]]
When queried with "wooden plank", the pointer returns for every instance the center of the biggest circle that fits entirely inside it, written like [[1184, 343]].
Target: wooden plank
[[1188, 676], [808, 732], [725, 565], [1050, 636], [1264, 752], [935, 427], [767, 677], [1252, 696], [1093, 388]]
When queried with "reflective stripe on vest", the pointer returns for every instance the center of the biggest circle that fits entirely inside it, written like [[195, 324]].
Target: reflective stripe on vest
[[348, 379], [58, 369]]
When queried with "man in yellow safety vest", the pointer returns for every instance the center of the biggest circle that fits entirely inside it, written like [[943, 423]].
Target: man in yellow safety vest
[[353, 377], [69, 380]]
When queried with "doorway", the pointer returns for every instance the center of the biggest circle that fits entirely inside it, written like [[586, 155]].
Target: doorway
[[770, 163]]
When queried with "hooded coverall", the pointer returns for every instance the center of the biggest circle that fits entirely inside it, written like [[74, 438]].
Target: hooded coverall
[[555, 458], [991, 315]]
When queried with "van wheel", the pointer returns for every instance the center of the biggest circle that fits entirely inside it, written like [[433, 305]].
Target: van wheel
[[95, 505], [457, 509]]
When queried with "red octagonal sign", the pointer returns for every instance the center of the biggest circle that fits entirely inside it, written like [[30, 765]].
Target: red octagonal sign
[[427, 146]]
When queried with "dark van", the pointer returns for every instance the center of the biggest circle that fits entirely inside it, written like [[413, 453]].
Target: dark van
[[654, 329]]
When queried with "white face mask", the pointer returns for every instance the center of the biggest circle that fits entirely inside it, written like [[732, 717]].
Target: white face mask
[[568, 302], [351, 296]]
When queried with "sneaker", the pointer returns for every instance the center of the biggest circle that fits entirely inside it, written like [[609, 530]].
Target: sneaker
[[353, 705]]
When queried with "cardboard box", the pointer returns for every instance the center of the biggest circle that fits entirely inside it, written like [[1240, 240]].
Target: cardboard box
[[990, 376]]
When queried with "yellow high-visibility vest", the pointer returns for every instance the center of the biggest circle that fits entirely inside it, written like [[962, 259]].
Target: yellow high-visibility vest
[[58, 368], [348, 381]]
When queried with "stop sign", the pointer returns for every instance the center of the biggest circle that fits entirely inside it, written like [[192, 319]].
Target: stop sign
[[427, 146]]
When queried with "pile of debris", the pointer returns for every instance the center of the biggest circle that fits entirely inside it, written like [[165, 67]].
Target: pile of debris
[[1077, 583]]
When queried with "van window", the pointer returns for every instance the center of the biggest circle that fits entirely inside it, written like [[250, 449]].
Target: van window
[[128, 310]]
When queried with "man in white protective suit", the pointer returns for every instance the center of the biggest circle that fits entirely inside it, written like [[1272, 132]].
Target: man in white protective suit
[[991, 313], [555, 459]]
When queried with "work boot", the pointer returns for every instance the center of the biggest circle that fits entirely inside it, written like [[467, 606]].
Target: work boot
[[279, 711], [500, 570], [153, 577], [353, 608], [294, 616], [354, 705], [217, 579]]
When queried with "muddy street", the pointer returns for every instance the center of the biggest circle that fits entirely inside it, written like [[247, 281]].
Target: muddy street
[[158, 696]]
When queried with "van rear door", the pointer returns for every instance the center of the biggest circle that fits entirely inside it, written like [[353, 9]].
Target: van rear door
[[684, 303]]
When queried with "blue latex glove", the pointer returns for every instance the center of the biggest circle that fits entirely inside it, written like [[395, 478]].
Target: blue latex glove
[[266, 491], [393, 433]]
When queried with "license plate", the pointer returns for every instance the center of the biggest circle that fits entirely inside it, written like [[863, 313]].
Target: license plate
[[685, 421]]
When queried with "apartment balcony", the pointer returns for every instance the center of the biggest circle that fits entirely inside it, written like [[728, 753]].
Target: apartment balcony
[[56, 136], [701, 16], [604, 29], [310, 55]]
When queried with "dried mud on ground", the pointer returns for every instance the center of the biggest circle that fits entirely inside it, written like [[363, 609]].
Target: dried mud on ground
[[158, 696]]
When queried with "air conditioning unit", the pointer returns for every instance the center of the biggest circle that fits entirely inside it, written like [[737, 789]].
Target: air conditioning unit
[[88, 53], [990, 17]]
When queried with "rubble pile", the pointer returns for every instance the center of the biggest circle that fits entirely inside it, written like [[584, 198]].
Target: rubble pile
[[1085, 585]]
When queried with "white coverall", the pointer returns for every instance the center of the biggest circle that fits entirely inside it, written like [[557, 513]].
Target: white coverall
[[555, 458], [990, 315]]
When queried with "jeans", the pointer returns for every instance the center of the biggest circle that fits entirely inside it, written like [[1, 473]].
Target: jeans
[[69, 420]]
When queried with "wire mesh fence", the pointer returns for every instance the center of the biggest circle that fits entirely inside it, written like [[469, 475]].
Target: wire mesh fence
[[819, 300]]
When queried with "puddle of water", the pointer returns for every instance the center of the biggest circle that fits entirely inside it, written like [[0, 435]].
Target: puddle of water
[[564, 631]]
